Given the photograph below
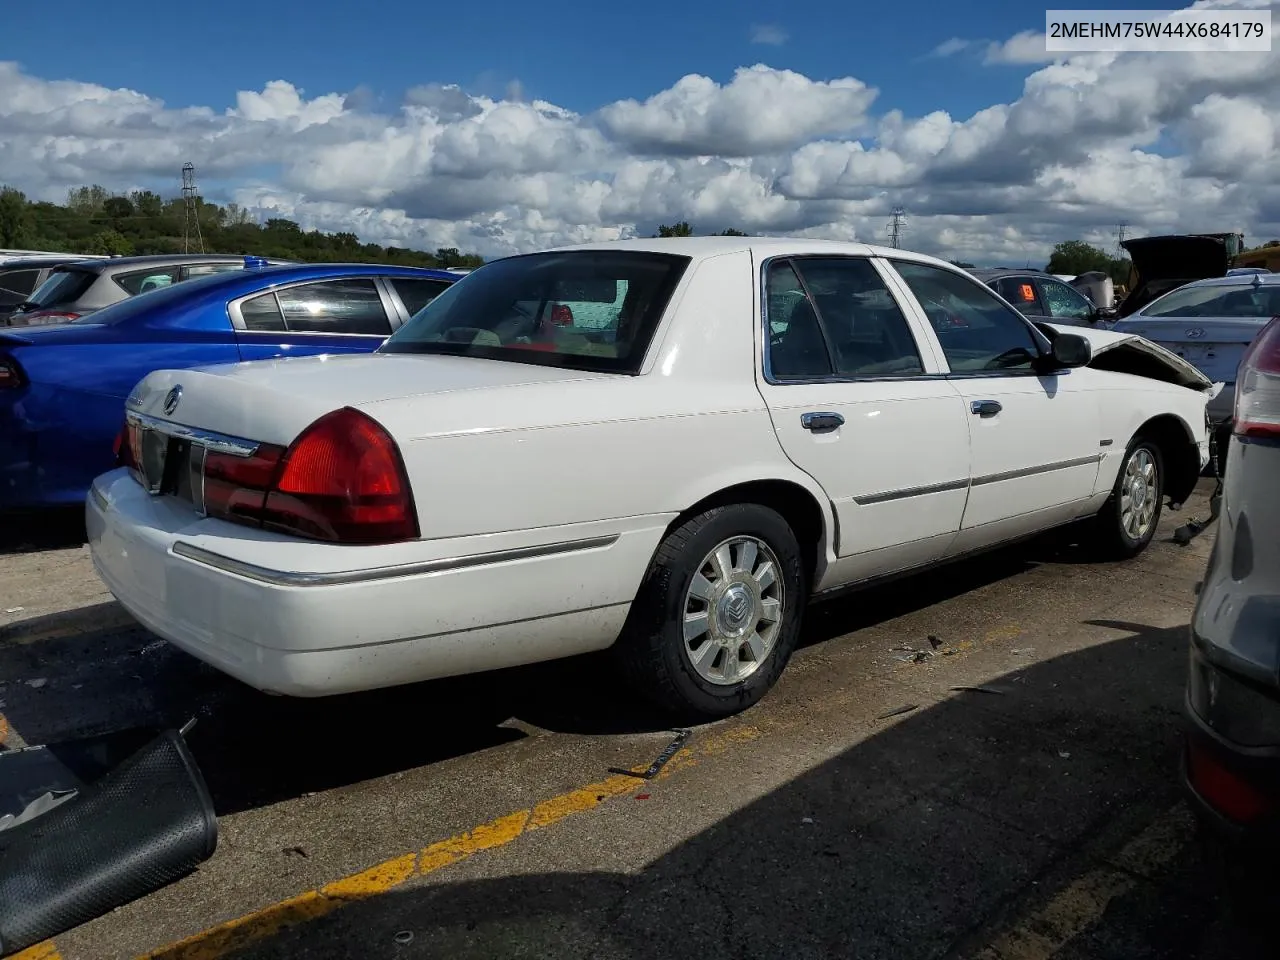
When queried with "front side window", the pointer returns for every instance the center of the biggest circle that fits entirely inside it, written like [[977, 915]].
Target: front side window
[[586, 309], [978, 333], [835, 315], [1065, 303], [1243, 300], [416, 294], [334, 306]]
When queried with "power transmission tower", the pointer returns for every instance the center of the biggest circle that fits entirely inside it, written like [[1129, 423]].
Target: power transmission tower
[[191, 221], [897, 227], [1122, 231]]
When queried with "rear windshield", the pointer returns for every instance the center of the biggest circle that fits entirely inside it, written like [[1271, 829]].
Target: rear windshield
[[1245, 300], [60, 287], [585, 309]]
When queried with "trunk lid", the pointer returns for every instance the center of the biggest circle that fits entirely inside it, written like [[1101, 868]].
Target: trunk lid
[[272, 401], [1163, 263], [1213, 346]]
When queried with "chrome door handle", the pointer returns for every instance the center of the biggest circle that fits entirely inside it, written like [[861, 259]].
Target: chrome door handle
[[984, 408], [821, 422]]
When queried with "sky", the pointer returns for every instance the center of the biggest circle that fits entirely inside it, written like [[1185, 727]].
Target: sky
[[508, 127]]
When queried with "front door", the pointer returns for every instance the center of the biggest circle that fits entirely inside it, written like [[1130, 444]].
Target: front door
[[1034, 436], [857, 403]]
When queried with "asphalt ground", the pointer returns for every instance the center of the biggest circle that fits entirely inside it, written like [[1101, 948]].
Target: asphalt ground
[[1009, 792]]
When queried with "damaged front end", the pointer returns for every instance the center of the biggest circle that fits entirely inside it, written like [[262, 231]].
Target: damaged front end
[[90, 825]]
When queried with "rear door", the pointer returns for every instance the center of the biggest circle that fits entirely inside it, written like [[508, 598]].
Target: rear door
[[340, 315], [858, 403]]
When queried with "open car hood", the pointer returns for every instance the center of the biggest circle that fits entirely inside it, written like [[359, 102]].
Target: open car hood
[[1130, 353], [1163, 263]]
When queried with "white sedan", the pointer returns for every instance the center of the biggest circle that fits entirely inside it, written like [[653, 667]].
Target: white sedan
[[663, 446]]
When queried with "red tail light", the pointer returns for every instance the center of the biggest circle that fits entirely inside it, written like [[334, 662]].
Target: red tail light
[[341, 480], [561, 315], [42, 317], [1226, 792], [10, 374], [1257, 408]]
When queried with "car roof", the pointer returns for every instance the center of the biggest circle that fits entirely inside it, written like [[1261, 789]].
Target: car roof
[[995, 273], [1239, 280], [46, 260], [124, 264], [233, 283], [701, 248]]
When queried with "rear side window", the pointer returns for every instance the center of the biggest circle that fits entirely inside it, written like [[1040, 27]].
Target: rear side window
[[334, 306], [16, 286], [416, 294], [584, 309], [61, 287], [1021, 292], [837, 317], [144, 281]]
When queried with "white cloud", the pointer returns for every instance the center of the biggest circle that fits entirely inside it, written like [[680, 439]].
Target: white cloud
[[951, 47], [769, 34], [1022, 48], [1165, 142]]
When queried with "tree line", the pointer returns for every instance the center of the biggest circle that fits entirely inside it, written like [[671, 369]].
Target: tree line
[[95, 221]]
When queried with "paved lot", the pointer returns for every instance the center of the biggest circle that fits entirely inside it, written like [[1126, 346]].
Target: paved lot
[[1038, 817]]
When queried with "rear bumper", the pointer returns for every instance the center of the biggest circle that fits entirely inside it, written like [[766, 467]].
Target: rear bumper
[[1206, 754], [307, 619]]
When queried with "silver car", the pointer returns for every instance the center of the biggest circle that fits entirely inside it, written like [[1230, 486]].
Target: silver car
[[1209, 323], [1232, 760]]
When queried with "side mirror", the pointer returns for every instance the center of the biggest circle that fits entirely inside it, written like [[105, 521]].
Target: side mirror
[[1071, 350]]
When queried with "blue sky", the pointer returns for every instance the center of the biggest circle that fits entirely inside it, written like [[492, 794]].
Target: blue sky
[[579, 54], [305, 114]]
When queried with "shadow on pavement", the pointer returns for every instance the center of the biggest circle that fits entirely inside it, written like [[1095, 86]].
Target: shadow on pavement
[[256, 750], [918, 842], [54, 529]]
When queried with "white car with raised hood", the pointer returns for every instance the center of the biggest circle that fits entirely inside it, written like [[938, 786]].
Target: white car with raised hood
[[741, 425]]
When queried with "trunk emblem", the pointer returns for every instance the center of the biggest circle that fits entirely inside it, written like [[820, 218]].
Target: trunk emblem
[[171, 400], [1195, 333]]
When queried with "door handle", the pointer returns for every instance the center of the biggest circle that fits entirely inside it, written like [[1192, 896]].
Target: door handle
[[821, 422], [985, 408]]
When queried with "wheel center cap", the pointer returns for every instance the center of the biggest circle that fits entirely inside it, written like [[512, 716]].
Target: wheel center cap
[[735, 608], [1138, 493]]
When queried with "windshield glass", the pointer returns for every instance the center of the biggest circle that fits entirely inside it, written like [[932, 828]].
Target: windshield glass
[[587, 309], [61, 286], [1244, 300]]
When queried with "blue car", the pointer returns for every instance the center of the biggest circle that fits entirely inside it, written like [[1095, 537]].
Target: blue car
[[63, 387]]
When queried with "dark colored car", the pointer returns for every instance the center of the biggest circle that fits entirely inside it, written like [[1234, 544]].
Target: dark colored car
[[75, 289], [1232, 708], [1040, 296], [20, 276], [63, 386], [1161, 264]]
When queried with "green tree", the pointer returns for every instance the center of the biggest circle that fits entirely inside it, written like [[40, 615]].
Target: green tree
[[147, 203], [15, 219], [118, 208], [730, 232], [110, 242], [87, 201], [962, 264], [681, 229], [1076, 257]]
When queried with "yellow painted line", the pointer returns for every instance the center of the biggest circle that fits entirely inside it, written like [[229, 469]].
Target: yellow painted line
[[41, 951], [1083, 902], [236, 934]]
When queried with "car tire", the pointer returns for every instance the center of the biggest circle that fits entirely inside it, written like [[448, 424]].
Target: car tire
[[1118, 533], [702, 644]]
